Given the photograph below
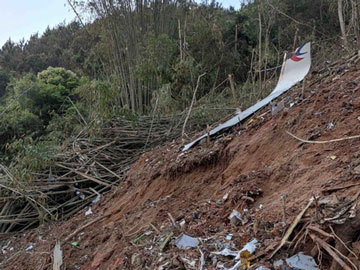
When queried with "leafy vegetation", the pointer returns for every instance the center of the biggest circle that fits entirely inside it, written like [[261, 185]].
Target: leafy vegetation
[[144, 58]]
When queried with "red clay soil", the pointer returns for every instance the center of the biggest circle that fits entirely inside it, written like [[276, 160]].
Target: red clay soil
[[249, 169]]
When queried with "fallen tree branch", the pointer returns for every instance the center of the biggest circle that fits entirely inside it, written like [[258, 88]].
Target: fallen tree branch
[[342, 242], [292, 227], [322, 142], [316, 229], [339, 188], [83, 227], [86, 176], [329, 250]]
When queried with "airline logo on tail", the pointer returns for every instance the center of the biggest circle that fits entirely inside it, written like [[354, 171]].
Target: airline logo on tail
[[298, 53]]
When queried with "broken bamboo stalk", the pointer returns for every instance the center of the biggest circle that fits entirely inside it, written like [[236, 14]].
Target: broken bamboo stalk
[[321, 142], [233, 91], [292, 227], [192, 104], [329, 250]]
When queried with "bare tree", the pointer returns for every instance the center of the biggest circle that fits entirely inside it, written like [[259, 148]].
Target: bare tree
[[355, 21], [342, 24]]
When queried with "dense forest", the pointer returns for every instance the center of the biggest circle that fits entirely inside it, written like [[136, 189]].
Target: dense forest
[[137, 58]]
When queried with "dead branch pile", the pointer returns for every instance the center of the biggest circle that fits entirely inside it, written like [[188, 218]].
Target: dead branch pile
[[83, 171]]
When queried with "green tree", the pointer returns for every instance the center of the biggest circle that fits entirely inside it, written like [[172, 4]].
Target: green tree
[[4, 80]]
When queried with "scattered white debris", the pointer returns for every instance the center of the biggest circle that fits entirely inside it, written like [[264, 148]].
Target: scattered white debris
[[302, 262], [278, 264], [147, 233], [226, 252], [214, 260], [186, 241], [262, 268], [229, 237], [331, 125], [192, 263], [88, 212], [30, 247], [225, 197], [251, 247], [182, 223], [291, 105], [80, 194], [97, 198], [235, 217], [58, 257], [202, 260], [261, 206]]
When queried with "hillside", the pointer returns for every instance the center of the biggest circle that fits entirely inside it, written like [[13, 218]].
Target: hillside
[[257, 169]]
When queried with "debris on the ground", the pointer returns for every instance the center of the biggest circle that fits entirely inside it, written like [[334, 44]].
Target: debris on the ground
[[182, 223], [88, 212], [30, 247], [278, 264], [57, 256], [330, 125], [262, 268], [225, 197], [248, 249], [185, 241], [227, 252], [202, 260], [302, 262], [166, 241], [97, 198], [338, 212], [236, 218], [277, 107], [292, 227]]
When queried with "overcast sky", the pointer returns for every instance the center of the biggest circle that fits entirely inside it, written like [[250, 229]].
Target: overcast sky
[[22, 18]]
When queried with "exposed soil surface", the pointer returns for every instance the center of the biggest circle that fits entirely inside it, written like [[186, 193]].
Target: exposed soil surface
[[256, 169]]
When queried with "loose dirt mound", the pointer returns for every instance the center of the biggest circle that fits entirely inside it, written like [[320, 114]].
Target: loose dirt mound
[[256, 169]]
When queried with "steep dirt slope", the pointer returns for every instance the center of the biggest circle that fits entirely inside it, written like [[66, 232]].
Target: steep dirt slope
[[254, 169]]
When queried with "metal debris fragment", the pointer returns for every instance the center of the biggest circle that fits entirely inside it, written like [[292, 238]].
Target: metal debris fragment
[[235, 218], [226, 252], [186, 242], [302, 262]]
